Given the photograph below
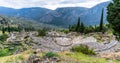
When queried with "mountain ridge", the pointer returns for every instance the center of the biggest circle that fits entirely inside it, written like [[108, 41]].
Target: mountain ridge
[[61, 16]]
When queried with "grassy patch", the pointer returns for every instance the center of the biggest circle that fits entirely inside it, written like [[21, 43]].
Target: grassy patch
[[82, 58], [50, 54], [3, 52], [7, 51], [68, 57], [15, 58]]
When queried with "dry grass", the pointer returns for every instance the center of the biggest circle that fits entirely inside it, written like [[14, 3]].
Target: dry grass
[[66, 56], [82, 58], [2, 33], [13, 58], [112, 56]]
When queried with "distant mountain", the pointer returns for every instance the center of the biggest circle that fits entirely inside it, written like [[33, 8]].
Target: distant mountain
[[25, 23], [34, 13], [8, 11], [69, 15], [93, 15], [61, 16], [29, 13]]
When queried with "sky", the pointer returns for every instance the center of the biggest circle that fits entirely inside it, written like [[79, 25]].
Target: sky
[[50, 4]]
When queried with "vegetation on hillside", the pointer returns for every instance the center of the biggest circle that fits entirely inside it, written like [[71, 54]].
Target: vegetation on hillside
[[80, 27], [42, 32], [3, 37], [50, 54], [113, 17]]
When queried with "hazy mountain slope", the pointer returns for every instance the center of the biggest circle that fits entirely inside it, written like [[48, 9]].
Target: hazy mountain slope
[[32, 13], [31, 23], [29, 13], [62, 17], [25, 23], [69, 15], [93, 15], [7, 11]]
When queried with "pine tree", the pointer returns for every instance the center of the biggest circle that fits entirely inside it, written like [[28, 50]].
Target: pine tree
[[73, 28], [101, 21], [78, 25], [20, 28], [3, 22], [69, 27], [82, 27], [3, 30], [9, 29], [113, 16]]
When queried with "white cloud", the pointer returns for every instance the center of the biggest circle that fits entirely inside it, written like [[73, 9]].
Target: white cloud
[[51, 4]]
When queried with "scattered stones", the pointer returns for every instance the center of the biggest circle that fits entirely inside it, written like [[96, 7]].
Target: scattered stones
[[6, 46], [11, 48]]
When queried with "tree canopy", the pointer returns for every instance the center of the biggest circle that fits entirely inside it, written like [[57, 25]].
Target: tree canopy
[[113, 16]]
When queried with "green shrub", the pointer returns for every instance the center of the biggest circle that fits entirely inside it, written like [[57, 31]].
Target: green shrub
[[50, 55], [83, 49], [65, 31], [26, 37], [3, 37], [42, 32]]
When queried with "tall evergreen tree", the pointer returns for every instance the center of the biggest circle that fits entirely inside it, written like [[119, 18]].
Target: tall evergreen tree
[[9, 29], [82, 27], [113, 16], [73, 28], [3, 30], [101, 21], [78, 25], [69, 27], [3, 23]]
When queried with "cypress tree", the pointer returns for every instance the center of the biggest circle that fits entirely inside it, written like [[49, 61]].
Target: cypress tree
[[3, 30], [3, 22], [78, 25], [69, 27], [82, 27], [101, 21], [9, 29]]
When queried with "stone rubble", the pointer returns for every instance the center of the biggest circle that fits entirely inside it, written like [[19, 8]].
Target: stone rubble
[[56, 42]]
